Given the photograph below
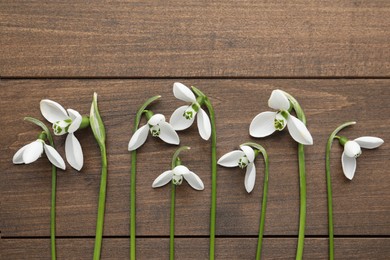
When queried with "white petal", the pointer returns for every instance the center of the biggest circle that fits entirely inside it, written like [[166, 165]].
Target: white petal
[[193, 180], [250, 177], [76, 120], [52, 111], [298, 131], [369, 142], [250, 154], [204, 124], [180, 170], [182, 92], [138, 138], [168, 134], [18, 157], [349, 165], [352, 149], [155, 119], [163, 179], [73, 152], [278, 100], [33, 151], [54, 157], [231, 158], [263, 124], [178, 121]]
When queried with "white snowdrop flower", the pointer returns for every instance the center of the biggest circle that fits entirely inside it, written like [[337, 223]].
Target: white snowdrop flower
[[158, 127], [268, 122], [176, 176], [65, 122], [34, 150], [183, 117]]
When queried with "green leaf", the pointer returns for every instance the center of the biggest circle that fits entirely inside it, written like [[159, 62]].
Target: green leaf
[[96, 123], [41, 125]]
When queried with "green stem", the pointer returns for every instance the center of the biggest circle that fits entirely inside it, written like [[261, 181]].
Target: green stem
[[265, 194], [302, 196], [47, 135], [137, 120], [329, 185], [302, 181], [101, 205], [172, 226], [132, 204], [213, 209], [53, 212], [175, 162]]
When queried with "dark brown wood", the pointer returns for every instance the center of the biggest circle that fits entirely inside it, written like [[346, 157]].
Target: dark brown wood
[[361, 207], [195, 38], [196, 248]]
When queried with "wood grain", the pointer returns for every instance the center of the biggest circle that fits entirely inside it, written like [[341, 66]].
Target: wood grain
[[298, 38], [196, 248], [361, 207]]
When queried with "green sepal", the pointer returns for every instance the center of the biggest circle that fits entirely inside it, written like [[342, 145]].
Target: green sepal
[[84, 122], [96, 123], [42, 136], [343, 140], [148, 114], [43, 126]]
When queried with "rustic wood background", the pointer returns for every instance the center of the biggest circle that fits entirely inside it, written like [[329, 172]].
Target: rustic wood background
[[333, 56]]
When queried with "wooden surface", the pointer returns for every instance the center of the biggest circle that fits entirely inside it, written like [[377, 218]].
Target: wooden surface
[[333, 57]]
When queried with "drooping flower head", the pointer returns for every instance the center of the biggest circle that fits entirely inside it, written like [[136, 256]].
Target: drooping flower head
[[158, 127], [34, 150], [243, 158], [176, 175], [184, 116], [266, 123], [66, 122], [352, 150]]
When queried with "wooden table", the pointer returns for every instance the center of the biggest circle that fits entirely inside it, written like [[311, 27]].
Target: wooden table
[[333, 56]]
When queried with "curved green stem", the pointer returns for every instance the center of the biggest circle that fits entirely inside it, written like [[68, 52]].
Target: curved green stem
[[329, 185], [265, 194], [302, 181], [213, 209], [133, 180], [46, 135]]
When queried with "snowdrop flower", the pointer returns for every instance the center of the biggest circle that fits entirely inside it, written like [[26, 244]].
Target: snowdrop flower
[[32, 151], [177, 175], [183, 117], [158, 127], [65, 122], [266, 123], [352, 150], [243, 158]]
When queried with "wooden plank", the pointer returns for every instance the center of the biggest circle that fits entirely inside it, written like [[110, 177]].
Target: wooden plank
[[197, 248], [195, 38], [361, 207]]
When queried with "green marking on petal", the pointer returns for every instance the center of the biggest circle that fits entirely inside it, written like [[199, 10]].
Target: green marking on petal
[[155, 130], [190, 112], [177, 179], [243, 162], [280, 120]]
